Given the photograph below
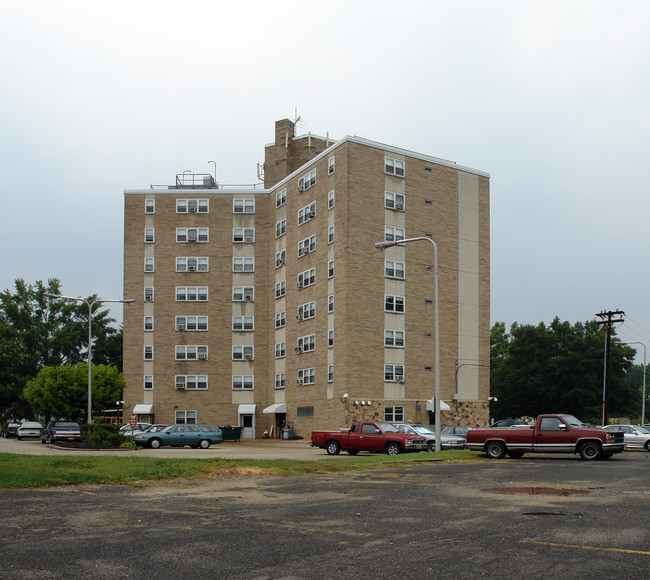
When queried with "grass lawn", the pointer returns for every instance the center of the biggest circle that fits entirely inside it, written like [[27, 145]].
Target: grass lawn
[[29, 471]]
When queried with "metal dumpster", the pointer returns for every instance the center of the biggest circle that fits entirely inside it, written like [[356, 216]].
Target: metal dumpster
[[231, 432]]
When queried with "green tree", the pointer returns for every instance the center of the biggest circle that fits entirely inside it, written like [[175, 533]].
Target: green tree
[[557, 368], [36, 332], [62, 391]]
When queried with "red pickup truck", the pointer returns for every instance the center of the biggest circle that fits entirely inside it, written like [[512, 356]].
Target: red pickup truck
[[549, 434], [370, 436]]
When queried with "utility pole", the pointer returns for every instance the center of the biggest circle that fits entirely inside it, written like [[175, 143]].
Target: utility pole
[[608, 318]]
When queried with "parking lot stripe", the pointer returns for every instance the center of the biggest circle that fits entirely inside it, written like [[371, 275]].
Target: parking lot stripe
[[585, 547]]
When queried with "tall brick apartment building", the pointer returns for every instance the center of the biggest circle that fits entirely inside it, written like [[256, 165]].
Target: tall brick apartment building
[[260, 306]]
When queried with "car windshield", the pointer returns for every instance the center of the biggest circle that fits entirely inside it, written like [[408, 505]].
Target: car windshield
[[424, 430], [572, 421], [208, 428], [388, 428]]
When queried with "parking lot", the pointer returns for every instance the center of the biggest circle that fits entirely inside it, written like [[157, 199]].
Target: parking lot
[[540, 516]]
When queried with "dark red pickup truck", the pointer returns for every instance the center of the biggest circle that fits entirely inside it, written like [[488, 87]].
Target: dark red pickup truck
[[550, 434], [376, 437]]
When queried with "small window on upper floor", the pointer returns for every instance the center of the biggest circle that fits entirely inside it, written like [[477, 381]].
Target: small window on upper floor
[[306, 181], [394, 201], [280, 198], [330, 200], [149, 235], [243, 206], [149, 206], [192, 206], [330, 165], [394, 166]]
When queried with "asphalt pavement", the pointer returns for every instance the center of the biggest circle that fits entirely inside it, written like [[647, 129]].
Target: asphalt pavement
[[544, 516]]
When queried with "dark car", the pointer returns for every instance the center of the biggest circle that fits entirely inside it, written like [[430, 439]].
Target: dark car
[[502, 423], [10, 429], [61, 431], [194, 435]]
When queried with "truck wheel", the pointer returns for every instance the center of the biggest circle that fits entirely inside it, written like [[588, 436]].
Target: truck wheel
[[590, 451], [393, 449], [333, 448], [516, 454], [495, 450]]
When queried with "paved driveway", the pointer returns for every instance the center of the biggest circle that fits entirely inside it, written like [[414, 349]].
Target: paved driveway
[[538, 517]]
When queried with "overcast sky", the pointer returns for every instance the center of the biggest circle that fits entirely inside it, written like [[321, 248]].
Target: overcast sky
[[551, 98]]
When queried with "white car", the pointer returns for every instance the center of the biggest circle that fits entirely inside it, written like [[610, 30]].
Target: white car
[[29, 429], [634, 436], [128, 431]]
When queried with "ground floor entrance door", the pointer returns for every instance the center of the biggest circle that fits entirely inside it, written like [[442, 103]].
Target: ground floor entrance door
[[247, 423]]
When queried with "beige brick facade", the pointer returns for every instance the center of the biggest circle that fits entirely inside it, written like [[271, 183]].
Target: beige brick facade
[[352, 211]]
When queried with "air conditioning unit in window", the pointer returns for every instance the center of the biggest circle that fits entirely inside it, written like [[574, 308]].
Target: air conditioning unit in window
[[300, 188], [299, 284], [180, 327], [299, 350], [399, 206], [312, 214], [191, 238], [281, 262], [180, 386], [203, 356], [192, 210], [399, 378], [191, 268], [148, 298], [248, 238], [305, 250], [299, 382], [248, 297], [299, 317], [248, 357]]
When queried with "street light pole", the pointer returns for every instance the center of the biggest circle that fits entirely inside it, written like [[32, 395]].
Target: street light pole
[[437, 323], [90, 339], [644, 363]]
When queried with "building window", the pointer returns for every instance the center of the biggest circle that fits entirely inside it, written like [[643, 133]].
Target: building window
[[280, 379], [306, 376], [148, 382], [330, 200], [148, 264], [394, 201], [243, 206], [394, 338], [330, 303], [306, 181], [394, 414], [192, 235], [394, 373], [305, 411], [242, 382], [281, 319], [191, 323], [149, 206], [191, 382], [394, 304], [280, 258], [149, 235], [281, 228], [280, 349], [330, 373], [330, 269], [243, 294], [148, 353], [394, 166], [280, 289], [306, 278], [243, 235], [330, 234], [307, 213], [185, 417], [330, 165], [148, 322], [191, 352], [148, 294], [394, 269], [242, 323], [280, 198], [191, 293], [306, 343], [242, 352], [307, 310], [192, 206], [191, 264], [393, 234], [243, 264], [330, 338], [307, 245]]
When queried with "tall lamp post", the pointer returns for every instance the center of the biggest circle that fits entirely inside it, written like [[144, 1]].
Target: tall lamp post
[[644, 363], [90, 338], [437, 323]]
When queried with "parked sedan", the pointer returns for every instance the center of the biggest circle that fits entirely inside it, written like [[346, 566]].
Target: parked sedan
[[29, 429], [61, 431], [155, 428], [446, 441], [634, 436], [129, 431], [454, 430], [10, 429], [200, 435]]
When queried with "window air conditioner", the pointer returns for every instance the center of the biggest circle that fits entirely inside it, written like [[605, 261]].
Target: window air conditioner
[[299, 382], [191, 238], [305, 250], [148, 298], [299, 317], [248, 357], [192, 268], [399, 206], [300, 188], [203, 356], [249, 238], [180, 386], [299, 284], [248, 297], [281, 262], [192, 210], [399, 378], [299, 350], [181, 327], [312, 214]]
